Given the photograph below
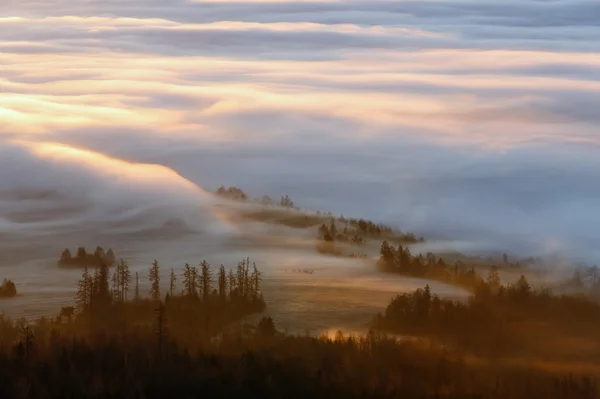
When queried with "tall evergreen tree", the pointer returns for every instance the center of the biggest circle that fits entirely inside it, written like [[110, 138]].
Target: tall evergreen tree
[[84, 289], [205, 279], [137, 287], [232, 283], [222, 283], [187, 280], [160, 327], [172, 281], [154, 276], [493, 278], [124, 279], [255, 279], [333, 229]]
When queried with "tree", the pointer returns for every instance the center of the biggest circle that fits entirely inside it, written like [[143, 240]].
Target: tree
[[160, 327], [505, 258], [286, 202], [577, 279], [232, 283], [110, 257], [222, 283], [386, 253], [27, 342], [100, 298], [154, 276], [100, 254], [115, 287], [172, 281], [266, 327], [493, 278], [137, 287], [124, 279], [333, 229], [8, 289], [81, 253], [65, 256], [189, 280], [84, 289], [523, 287], [205, 279], [255, 279]]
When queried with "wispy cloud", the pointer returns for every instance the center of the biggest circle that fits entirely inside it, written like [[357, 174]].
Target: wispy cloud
[[462, 119]]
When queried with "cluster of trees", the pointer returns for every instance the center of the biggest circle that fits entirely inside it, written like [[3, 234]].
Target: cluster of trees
[[331, 233], [498, 320], [356, 231], [258, 362], [8, 289], [82, 258], [238, 194], [232, 193], [204, 303], [587, 277], [401, 260]]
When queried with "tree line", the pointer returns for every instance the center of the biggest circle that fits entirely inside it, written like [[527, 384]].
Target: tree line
[[500, 320], [400, 260]]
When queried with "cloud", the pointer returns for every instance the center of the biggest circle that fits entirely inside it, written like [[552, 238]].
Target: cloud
[[468, 120]]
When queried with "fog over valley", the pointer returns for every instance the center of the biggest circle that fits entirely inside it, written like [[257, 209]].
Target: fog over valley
[[473, 124]]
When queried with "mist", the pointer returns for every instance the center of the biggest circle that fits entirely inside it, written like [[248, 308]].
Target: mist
[[473, 124]]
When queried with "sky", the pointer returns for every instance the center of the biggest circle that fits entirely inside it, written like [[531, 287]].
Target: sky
[[475, 120]]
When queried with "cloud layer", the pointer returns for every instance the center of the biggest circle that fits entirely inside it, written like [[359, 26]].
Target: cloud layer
[[471, 120]]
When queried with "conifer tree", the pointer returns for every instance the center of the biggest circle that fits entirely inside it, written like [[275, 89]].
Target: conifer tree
[[493, 278], [222, 283], [84, 288], [232, 283], [160, 327], [187, 280], [154, 276], [172, 281], [333, 229], [239, 275], [116, 292], [255, 279], [124, 279], [205, 279], [137, 287]]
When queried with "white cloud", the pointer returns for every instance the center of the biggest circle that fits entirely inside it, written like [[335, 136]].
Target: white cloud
[[432, 115]]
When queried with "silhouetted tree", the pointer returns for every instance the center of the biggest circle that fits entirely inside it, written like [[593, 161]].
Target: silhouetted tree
[[136, 296], [172, 281], [205, 280], [222, 283], [65, 256], [493, 279], [84, 289], [81, 253], [154, 276], [286, 202], [124, 279], [266, 327], [8, 289], [232, 283], [189, 280], [255, 279], [160, 327]]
